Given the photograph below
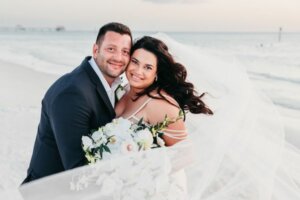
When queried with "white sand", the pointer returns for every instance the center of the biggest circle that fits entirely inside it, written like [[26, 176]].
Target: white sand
[[21, 92]]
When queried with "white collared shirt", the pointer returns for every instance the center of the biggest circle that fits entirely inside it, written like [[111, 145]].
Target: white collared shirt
[[109, 90]]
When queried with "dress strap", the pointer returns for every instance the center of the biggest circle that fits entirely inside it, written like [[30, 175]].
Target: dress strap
[[139, 109], [175, 134]]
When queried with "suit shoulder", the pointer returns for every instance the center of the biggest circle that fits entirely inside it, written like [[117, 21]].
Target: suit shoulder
[[76, 81]]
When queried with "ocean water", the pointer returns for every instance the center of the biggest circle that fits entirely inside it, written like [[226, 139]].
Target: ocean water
[[273, 66]]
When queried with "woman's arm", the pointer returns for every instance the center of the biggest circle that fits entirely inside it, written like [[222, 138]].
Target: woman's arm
[[156, 111]]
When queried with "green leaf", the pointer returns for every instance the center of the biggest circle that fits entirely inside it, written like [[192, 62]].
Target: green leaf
[[101, 151], [106, 148], [141, 121]]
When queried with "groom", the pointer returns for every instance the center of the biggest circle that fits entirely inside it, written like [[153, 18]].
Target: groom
[[79, 102]]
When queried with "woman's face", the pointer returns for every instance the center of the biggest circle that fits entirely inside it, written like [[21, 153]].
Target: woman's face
[[142, 68]]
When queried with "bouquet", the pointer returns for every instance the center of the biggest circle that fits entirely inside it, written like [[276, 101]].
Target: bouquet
[[121, 136]]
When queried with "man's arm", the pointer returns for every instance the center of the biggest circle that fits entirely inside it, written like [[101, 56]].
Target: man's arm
[[70, 119]]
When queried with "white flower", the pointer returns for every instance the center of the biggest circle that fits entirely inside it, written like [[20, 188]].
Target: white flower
[[124, 124], [97, 135], [134, 126], [108, 128], [100, 142], [122, 129], [144, 139], [97, 156], [160, 141], [120, 91], [87, 142], [112, 139]]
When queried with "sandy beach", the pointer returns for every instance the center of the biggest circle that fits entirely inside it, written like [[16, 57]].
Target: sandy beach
[[21, 92]]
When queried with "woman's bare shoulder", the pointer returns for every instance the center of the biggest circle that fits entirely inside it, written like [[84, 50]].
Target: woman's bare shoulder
[[164, 99], [157, 109]]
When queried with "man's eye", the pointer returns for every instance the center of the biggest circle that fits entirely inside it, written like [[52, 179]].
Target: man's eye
[[110, 49], [126, 53]]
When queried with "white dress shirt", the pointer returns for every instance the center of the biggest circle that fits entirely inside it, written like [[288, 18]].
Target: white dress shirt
[[109, 90]]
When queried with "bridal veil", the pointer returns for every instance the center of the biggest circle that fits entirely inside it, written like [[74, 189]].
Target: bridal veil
[[238, 153]]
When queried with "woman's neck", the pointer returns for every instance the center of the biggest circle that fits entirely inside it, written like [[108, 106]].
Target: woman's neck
[[133, 92]]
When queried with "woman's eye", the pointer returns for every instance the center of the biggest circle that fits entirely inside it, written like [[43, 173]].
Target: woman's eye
[[148, 68], [134, 61]]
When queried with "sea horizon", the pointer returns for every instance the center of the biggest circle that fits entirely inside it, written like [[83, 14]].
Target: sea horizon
[[20, 28]]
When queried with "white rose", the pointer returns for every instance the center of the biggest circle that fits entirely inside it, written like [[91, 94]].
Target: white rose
[[87, 142], [144, 139], [97, 135], [102, 140], [124, 124], [122, 130], [108, 128]]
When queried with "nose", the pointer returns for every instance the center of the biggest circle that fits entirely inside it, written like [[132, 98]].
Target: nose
[[118, 56], [139, 70]]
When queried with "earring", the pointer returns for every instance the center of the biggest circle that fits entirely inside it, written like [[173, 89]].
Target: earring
[[156, 78]]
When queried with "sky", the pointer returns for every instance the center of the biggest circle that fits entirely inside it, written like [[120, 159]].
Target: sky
[[155, 15]]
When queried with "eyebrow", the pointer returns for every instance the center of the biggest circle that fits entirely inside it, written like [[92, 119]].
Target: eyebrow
[[149, 65], [115, 46], [135, 59], [109, 45]]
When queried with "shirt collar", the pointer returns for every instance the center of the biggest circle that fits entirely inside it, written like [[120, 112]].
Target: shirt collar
[[106, 86]]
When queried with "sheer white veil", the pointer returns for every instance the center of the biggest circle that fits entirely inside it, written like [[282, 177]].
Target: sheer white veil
[[238, 153]]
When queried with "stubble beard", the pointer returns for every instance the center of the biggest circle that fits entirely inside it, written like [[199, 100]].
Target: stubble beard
[[110, 73]]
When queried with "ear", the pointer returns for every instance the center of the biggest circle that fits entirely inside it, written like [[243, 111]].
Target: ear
[[95, 50]]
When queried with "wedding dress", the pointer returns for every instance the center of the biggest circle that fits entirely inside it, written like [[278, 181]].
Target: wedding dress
[[238, 153], [178, 177]]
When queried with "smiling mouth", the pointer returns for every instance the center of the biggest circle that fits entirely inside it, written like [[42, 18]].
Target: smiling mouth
[[135, 78], [116, 65]]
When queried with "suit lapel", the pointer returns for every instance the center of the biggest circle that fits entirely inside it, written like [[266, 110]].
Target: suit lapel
[[99, 86], [102, 93]]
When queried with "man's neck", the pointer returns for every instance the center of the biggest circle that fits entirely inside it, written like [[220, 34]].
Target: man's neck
[[109, 80]]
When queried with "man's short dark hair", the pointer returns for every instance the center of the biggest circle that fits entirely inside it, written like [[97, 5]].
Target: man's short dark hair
[[115, 27]]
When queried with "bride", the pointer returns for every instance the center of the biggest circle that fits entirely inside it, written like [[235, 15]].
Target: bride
[[238, 153], [158, 88]]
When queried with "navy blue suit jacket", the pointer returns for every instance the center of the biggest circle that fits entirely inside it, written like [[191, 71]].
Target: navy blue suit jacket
[[73, 106]]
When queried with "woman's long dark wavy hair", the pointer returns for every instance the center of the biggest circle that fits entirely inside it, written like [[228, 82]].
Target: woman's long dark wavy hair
[[171, 78]]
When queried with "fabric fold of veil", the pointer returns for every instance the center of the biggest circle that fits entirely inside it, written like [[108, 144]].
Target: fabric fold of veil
[[238, 153]]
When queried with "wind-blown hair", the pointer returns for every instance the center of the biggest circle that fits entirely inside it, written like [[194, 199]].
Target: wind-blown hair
[[171, 78]]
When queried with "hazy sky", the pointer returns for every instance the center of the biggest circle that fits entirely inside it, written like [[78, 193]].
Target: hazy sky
[[155, 15]]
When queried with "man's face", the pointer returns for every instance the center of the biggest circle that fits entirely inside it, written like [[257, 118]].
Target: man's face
[[112, 54]]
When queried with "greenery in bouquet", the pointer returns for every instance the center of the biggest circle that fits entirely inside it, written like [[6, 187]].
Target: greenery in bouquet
[[121, 136]]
